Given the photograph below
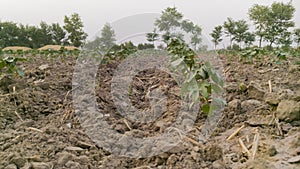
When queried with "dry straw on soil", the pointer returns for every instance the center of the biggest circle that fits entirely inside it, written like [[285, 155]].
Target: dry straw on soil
[[15, 48], [57, 47]]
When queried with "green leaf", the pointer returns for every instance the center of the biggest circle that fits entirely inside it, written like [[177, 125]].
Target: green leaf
[[191, 76], [205, 108], [2, 64], [20, 72], [218, 101], [177, 62], [194, 94], [216, 88], [203, 73], [9, 59], [204, 89]]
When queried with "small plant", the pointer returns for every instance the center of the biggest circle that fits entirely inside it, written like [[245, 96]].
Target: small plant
[[199, 77], [8, 65], [247, 56], [120, 51], [280, 56]]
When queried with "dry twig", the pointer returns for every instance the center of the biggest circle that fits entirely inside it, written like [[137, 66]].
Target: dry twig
[[127, 124], [235, 133], [35, 129], [278, 127], [244, 147], [192, 141], [18, 115], [255, 145], [270, 86]]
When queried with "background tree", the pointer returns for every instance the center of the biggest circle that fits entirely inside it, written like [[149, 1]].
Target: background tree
[[285, 39], [279, 21], [169, 21], [35, 38], [44, 34], [39, 36], [249, 39], [260, 14], [24, 38], [107, 39], [58, 34], [187, 26], [152, 37], [216, 34], [229, 27], [297, 36], [9, 33], [194, 30], [241, 27], [143, 46], [196, 36], [74, 27]]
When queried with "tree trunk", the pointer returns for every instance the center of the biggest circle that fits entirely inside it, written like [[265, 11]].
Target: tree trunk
[[230, 42], [260, 40], [271, 42]]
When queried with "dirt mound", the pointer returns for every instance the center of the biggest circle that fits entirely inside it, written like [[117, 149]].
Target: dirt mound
[[58, 47], [15, 48], [39, 128]]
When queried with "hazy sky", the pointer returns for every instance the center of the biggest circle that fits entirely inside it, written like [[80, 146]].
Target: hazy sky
[[95, 13]]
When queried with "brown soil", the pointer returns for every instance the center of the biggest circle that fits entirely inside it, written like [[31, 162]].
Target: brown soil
[[39, 128]]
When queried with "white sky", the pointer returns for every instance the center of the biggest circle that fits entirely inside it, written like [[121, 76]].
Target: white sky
[[95, 13]]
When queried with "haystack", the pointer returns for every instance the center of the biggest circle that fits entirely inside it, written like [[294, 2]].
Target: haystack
[[58, 47], [15, 48], [71, 48]]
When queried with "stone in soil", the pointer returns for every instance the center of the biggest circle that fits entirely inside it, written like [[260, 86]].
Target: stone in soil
[[288, 110]]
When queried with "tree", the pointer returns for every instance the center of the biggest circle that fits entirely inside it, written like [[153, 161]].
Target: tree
[[249, 39], [58, 34], [285, 39], [93, 45], [169, 21], [33, 34], [241, 27], [37, 36], [190, 28], [187, 26], [152, 36], [24, 38], [143, 46], [107, 39], [229, 27], [74, 27], [260, 14], [9, 33], [44, 34], [297, 36], [196, 36], [216, 34], [280, 20]]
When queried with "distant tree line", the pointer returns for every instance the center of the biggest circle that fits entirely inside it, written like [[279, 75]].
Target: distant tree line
[[71, 33], [170, 24], [272, 25]]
